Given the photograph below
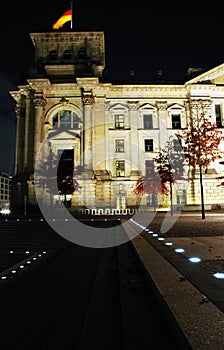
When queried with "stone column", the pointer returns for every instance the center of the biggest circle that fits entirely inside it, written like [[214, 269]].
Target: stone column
[[27, 136], [39, 103], [19, 157], [87, 100], [163, 122], [133, 147]]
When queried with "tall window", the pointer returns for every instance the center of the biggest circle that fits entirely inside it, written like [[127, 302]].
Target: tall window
[[147, 121], [119, 121], [176, 121], [82, 53], [149, 167], [218, 116], [119, 145], [67, 55], [65, 120], [149, 145], [120, 168], [53, 55], [181, 197]]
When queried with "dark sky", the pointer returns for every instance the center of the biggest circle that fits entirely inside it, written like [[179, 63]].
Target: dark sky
[[141, 35]]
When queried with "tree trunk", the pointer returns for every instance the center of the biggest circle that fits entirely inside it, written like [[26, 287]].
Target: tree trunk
[[202, 195], [171, 199]]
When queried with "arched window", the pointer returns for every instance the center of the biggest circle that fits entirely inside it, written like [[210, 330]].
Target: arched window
[[66, 119], [82, 53], [67, 55], [53, 55]]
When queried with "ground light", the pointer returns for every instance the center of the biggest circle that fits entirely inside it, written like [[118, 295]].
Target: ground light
[[194, 259], [219, 275], [179, 250]]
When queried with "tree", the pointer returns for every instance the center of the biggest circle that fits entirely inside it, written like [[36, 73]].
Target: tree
[[201, 141], [68, 186], [168, 168], [150, 184], [50, 180], [46, 173], [170, 165]]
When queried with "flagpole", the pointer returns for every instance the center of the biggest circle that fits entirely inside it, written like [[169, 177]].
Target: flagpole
[[71, 14]]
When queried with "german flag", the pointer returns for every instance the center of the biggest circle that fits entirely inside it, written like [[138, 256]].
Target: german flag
[[67, 16]]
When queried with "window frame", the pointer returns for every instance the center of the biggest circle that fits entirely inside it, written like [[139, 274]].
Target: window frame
[[150, 145]]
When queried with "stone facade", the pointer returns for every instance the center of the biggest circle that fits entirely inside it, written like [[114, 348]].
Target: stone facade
[[110, 131]]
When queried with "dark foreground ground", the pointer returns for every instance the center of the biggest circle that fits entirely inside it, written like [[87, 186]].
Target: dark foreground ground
[[74, 297]]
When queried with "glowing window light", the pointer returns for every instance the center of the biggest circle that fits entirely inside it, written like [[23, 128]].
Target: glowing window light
[[194, 259], [179, 250], [5, 211], [219, 275]]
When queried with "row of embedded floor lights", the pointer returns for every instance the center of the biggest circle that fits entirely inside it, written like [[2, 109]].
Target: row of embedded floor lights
[[25, 263], [193, 259]]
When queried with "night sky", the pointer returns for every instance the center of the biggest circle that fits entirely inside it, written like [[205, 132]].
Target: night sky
[[139, 35]]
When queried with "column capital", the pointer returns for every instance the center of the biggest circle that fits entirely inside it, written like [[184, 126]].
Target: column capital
[[39, 101], [87, 97], [161, 105], [133, 105]]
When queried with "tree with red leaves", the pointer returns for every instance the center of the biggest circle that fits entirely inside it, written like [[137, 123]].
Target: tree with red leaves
[[201, 142], [170, 166], [150, 184]]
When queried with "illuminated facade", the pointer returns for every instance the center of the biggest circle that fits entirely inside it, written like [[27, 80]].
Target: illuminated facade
[[5, 188], [109, 133]]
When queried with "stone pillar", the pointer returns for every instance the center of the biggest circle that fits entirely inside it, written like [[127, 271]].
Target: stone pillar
[[20, 129], [39, 103], [133, 137], [27, 136], [87, 100], [162, 114]]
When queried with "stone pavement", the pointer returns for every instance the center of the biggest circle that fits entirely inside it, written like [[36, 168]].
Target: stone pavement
[[192, 296]]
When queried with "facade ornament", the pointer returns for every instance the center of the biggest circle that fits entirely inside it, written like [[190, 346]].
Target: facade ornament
[[18, 110], [161, 105], [133, 105], [64, 101], [87, 97], [39, 101]]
